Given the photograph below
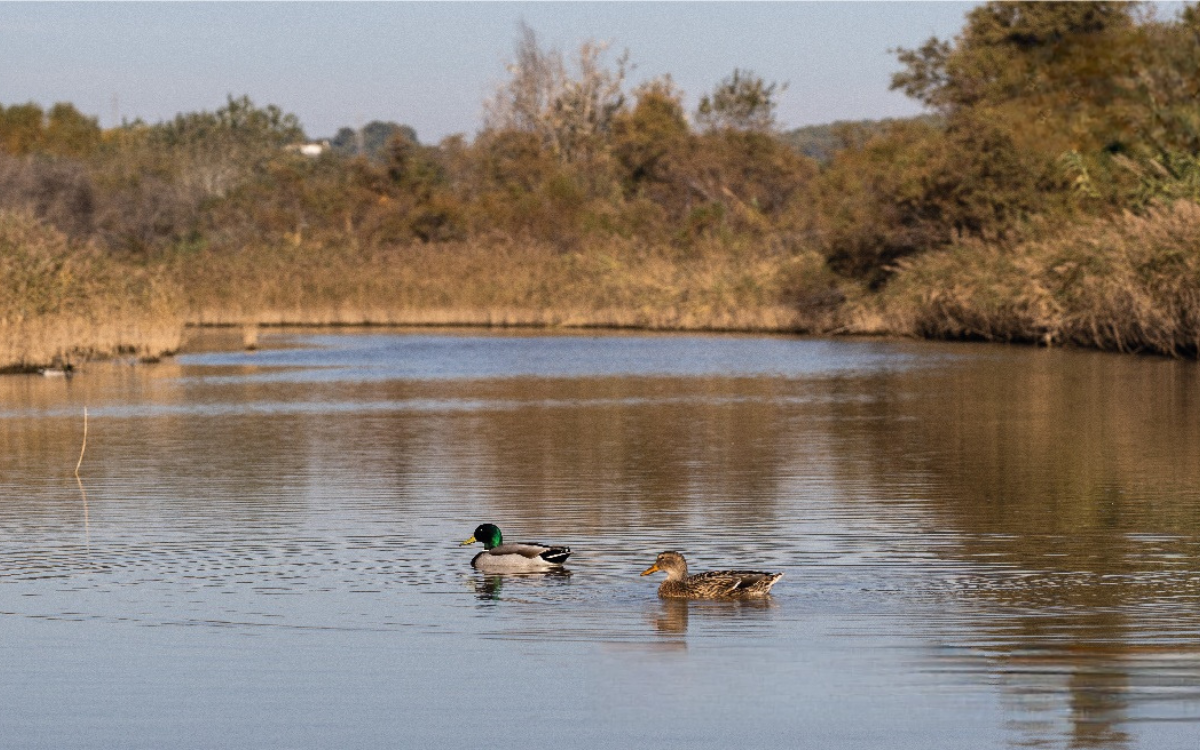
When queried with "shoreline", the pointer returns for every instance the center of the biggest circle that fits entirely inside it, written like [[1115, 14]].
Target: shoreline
[[71, 354], [248, 334]]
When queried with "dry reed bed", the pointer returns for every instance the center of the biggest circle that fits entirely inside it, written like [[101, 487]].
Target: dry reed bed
[[1130, 285], [66, 301], [497, 283], [61, 302], [61, 340]]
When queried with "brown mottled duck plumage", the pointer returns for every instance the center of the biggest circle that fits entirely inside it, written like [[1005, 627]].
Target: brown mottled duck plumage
[[717, 584]]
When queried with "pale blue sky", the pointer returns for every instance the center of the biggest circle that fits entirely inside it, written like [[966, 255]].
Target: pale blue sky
[[431, 65]]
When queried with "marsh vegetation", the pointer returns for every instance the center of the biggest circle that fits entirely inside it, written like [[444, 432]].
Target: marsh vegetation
[[1050, 197]]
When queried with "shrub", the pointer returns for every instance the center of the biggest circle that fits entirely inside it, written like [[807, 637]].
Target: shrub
[[1128, 284], [62, 300]]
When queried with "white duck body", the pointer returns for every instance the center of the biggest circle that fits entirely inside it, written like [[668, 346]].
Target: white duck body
[[514, 557], [520, 557]]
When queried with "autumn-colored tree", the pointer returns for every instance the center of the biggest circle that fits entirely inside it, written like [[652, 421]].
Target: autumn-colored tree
[[1028, 96], [647, 140], [570, 114], [22, 128], [213, 151], [70, 133], [40, 171], [918, 186], [57, 191], [1161, 86], [743, 101], [653, 146]]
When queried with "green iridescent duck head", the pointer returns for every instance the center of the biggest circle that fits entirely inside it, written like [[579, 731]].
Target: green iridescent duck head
[[487, 533]]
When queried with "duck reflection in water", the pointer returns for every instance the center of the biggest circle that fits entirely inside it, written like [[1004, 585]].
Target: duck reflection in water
[[488, 587], [673, 615]]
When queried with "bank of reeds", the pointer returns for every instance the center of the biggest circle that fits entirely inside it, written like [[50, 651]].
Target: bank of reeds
[[63, 301], [1131, 284], [500, 281]]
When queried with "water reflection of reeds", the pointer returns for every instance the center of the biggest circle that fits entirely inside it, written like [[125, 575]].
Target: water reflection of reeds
[[1038, 511], [1070, 485]]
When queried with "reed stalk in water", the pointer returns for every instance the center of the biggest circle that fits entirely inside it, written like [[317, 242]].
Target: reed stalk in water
[[87, 528], [83, 447]]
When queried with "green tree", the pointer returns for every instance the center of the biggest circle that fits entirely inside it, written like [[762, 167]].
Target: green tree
[[370, 141], [1018, 50], [1045, 72]]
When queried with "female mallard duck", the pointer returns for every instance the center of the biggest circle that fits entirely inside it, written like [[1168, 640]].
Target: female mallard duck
[[514, 557], [717, 584]]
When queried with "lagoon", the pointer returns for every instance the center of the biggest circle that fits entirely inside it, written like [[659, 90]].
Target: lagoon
[[983, 546]]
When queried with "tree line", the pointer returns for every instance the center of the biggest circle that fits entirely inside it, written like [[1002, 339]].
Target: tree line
[[1046, 121]]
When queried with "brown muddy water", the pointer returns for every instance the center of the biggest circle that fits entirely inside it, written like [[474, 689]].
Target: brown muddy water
[[984, 547]]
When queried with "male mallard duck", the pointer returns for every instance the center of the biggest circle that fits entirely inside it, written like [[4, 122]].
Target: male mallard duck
[[514, 557], [717, 584]]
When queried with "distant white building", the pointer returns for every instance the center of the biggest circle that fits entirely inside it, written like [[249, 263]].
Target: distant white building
[[312, 149]]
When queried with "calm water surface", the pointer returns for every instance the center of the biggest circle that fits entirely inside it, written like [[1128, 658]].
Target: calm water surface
[[983, 547]]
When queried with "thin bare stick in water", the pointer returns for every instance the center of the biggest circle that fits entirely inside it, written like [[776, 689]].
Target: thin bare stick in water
[[84, 446], [87, 529]]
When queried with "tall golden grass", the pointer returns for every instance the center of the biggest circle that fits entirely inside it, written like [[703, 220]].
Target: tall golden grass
[[503, 282], [1131, 284], [62, 302]]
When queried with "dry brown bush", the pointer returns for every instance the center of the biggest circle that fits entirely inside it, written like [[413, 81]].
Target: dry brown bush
[[56, 190], [64, 301], [1129, 284]]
